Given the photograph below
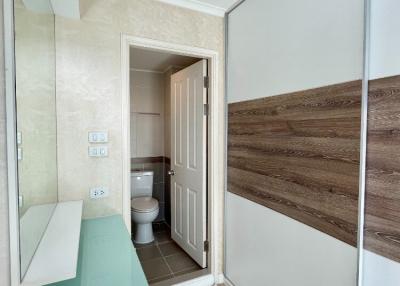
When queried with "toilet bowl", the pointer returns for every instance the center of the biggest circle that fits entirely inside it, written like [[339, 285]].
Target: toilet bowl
[[144, 211]]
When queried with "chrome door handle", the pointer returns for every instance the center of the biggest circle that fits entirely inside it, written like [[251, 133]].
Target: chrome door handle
[[171, 172]]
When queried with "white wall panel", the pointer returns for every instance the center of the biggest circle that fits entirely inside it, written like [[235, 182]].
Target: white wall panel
[[276, 47], [384, 62], [385, 38], [267, 248], [379, 270], [280, 46]]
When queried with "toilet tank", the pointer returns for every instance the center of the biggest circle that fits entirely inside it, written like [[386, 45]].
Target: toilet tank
[[141, 184]]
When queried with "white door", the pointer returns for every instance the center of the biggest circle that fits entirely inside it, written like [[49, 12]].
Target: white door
[[188, 160]]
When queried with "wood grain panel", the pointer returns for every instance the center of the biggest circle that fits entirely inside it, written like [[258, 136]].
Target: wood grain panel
[[382, 221], [298, 154]]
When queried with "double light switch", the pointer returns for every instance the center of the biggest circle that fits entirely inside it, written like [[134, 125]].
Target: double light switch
[[98, 137], [98, 151]]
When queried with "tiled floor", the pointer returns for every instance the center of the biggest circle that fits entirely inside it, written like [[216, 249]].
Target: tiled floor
[[164, 259]]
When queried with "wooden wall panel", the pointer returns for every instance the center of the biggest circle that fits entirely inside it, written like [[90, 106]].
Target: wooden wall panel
[[382, 221], [298, 154]]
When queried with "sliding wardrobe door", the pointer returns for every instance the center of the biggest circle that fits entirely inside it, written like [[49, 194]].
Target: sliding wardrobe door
[[294, 84], [382, 208]]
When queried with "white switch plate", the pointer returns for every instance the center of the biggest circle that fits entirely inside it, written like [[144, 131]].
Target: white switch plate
[[19, 138], [98, 137], [19, 155], [99, 192], [98, 151]]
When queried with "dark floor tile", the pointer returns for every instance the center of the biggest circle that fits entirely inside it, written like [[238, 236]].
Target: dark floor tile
[[159, 279], [164, 236], [187, 271], [170, 248], [146, 253], [155, 268], [179, 262], [160, 227]]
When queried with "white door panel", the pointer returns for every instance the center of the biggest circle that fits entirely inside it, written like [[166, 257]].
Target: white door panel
[[188, 153]]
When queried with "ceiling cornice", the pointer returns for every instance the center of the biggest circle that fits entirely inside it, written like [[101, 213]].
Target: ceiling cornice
[[197, 6]]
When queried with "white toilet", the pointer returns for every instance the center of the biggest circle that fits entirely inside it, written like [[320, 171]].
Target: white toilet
[[144, 208]]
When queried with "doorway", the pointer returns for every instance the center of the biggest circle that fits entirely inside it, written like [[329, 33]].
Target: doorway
[[151, 72]]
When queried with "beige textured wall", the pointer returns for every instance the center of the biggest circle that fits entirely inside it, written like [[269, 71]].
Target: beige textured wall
[[89, 85], [89, 94], [4, 246], [147, 130]]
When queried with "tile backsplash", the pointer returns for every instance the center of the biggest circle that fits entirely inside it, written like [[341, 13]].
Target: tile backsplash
[[160, 166]]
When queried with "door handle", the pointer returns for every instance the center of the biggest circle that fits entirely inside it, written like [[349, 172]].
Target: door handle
[[171, 172]]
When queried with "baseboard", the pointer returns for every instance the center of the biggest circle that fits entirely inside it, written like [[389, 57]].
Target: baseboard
[[219, 278], [206, 280], [228, 282]]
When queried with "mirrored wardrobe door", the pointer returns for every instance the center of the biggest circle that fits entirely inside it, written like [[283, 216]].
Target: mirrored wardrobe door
[[36, 122], [294, 85], [381, 264]]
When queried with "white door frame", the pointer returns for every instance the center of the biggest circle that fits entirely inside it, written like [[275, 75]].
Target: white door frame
[[216, 139]]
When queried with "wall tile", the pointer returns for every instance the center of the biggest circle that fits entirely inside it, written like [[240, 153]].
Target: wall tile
[[137, 166], [158, 169], [161, 214], [167, 194], [158, 192]]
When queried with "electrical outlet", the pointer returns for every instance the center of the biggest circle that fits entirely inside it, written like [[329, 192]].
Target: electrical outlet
[[99, 192]]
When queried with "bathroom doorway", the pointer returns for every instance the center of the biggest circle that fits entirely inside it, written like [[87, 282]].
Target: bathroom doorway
[[168, 123]]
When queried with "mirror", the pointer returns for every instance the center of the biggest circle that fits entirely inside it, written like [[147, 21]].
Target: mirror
[[36, 124]]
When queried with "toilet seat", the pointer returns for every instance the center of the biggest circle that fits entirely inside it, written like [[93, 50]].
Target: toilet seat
[[144, 204]]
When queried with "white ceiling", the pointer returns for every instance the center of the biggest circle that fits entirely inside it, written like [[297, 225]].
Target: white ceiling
[[155, 61], [213, 7]]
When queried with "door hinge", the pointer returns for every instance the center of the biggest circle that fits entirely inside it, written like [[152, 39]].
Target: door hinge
[[206, 246], [206, 82], [206, 109]]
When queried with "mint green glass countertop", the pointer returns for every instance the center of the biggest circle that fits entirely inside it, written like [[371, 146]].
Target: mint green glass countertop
[[106, 256]]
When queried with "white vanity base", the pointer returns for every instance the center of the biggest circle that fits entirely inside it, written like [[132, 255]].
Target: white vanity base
[[56, 257]]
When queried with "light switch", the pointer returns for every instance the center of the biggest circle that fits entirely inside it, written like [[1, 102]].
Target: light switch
[[98, 151], [98, 137], [19, 138], [20, 201], [19, 154]]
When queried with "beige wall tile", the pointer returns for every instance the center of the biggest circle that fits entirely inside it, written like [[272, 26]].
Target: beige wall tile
[[147, 130]]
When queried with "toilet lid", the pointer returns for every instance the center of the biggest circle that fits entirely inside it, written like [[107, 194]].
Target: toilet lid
[[144, 204]]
